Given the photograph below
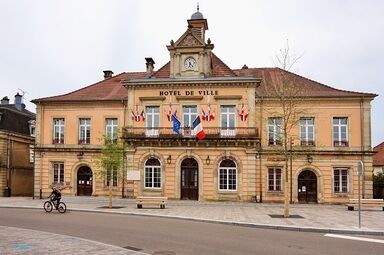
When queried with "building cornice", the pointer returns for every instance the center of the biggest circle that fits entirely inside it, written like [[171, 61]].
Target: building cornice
[[193, 82]]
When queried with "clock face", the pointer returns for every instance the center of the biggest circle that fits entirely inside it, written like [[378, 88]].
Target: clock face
[[189, 63]]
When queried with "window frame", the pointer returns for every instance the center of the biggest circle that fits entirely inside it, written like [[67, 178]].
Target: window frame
[[277, 132], [60, 127], [275, 179], [307, 126], [58, 172], [152, 120], [227, 173], [107, 178], [189, 115], [339, 180], [228, 122], [150, 169], [338, 128], [111, 129], [84, 130]]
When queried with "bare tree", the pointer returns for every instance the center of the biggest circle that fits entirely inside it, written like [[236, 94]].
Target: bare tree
[[287, 92]]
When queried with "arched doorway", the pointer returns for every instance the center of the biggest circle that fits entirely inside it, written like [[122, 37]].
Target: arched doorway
[[307, 187], [84, 181], [189, 179]]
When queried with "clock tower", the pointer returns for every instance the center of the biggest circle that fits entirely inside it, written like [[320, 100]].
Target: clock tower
[[191, 55]]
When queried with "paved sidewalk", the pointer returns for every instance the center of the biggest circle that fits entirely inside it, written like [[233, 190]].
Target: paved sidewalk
[[26, 241], [313, 218]]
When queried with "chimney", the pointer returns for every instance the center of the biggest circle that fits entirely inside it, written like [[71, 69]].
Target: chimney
[[107, 74], [5, 100], [18, 103], [150, 66]]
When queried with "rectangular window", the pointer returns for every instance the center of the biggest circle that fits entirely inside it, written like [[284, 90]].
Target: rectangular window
[[227, 178], [84, 131], [111, 175], [341, 180], [228, 120], [189, 115], [152, 121], [340, 131], [274, 179], [307, 130], [275, 130], [152, 177], [58, 172], [111, 129], [58, 130]]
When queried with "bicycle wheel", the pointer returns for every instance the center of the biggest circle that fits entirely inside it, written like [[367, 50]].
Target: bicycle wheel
[[62, 208], [48, 206]]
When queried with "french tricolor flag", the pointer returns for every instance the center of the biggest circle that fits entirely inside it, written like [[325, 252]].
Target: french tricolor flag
[[133, 115], [198, 128], [142, 115]]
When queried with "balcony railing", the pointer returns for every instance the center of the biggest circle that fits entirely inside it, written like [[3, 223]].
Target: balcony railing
[[210, 132], [58, 141], [307, 143], [340, 143], [85, 140]]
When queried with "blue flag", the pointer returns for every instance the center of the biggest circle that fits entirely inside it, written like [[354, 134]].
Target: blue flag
[[176, 124]]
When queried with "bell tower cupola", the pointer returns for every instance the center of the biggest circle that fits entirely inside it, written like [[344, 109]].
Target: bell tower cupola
[[198, 24], [190, 55]]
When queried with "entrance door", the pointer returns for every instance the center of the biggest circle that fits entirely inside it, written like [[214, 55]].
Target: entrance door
[[189, 179], [84, 181], [307, 187]]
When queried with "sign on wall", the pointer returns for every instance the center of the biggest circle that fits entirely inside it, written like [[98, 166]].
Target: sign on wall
[[133, 175]]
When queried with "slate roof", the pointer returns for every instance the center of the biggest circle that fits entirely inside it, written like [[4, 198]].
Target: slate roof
[[15, 120], [112, 88], [378, 158]]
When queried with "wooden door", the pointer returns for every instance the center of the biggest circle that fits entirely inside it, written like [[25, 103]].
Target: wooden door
[[189, 179], [307, 187], [84, 181]]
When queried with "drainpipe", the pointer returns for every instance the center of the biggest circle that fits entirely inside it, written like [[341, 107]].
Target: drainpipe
[[124, 161], [8, 180], [261, 150], [362, 141]]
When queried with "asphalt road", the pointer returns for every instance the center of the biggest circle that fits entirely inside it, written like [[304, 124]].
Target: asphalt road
[[151, 234]]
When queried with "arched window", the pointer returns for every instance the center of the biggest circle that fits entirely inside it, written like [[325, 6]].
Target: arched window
[[227, 175], [152, 173]]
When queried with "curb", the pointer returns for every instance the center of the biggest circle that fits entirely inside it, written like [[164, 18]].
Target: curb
[[236, 223]]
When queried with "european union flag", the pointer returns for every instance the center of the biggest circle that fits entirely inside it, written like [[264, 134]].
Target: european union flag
[[176, 124]]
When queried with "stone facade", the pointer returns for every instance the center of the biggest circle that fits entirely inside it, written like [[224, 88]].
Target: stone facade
[[243, 156]]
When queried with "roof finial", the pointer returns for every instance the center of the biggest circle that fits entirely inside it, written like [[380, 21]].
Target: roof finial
[[198, 7]]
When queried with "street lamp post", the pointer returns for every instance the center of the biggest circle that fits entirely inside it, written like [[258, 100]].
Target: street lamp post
[[360, 170]]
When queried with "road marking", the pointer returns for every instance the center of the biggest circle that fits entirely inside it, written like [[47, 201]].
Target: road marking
[[355, 238]]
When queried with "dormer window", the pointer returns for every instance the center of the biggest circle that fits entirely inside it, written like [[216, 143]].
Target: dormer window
[[32, 127]]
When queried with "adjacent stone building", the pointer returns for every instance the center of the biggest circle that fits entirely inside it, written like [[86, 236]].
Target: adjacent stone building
[[197, 129], [17, 126], [378, 159]]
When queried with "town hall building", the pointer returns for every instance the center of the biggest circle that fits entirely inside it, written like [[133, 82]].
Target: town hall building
[[197, 129]]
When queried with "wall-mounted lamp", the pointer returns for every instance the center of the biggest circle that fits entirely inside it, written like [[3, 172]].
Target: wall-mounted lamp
[[169, 159], [309, 159], [208, 160]]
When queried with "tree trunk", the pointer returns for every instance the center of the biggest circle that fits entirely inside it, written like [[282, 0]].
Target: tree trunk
[[286, 182], [110, 194], [286, 198]]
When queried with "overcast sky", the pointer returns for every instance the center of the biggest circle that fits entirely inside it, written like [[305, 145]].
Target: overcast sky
[[53, 47]]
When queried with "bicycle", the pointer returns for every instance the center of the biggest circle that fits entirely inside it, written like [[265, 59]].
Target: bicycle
[[50, 204]]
